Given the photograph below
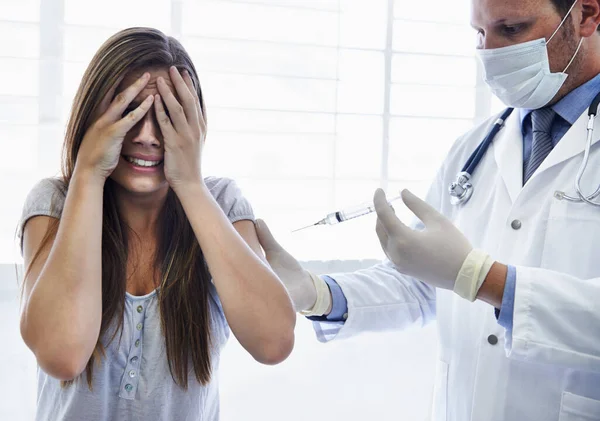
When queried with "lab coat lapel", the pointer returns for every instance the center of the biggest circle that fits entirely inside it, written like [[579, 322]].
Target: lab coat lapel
[[572, 144], [508, 152]]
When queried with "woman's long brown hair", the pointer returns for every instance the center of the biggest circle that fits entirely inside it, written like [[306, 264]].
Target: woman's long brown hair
[[184, 288]]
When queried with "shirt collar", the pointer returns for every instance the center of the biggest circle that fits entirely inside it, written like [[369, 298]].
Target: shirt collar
[[574, 103]]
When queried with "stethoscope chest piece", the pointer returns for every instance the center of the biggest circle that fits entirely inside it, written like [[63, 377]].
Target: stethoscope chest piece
[[460, 190]]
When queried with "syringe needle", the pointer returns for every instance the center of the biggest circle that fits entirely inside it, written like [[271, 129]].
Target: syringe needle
[[308, 226], [321, 222]]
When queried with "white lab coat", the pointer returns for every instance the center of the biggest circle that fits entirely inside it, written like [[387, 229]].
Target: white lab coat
[[548, 368]]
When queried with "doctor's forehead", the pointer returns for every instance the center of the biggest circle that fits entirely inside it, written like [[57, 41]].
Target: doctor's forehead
[[489, 12]]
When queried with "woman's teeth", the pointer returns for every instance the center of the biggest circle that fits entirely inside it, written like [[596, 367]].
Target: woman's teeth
[[142, 163]]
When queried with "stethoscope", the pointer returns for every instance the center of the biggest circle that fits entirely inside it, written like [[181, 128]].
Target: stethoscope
[[461, 189]]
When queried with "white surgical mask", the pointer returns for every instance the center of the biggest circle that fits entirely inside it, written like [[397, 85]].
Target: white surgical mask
[[519, 75]]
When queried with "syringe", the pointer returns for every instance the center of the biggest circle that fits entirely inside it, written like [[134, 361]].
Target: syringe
[[343, 215]]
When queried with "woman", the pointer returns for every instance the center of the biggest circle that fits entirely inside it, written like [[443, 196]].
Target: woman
[[137, 266]]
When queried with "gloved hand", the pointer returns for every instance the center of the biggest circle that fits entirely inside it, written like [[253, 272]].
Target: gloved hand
[[435, 255], [297, 280]]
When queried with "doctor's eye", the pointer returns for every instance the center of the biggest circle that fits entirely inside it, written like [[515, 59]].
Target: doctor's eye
[[511, 30]]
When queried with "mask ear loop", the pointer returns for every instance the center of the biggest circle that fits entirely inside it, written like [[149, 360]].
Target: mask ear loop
[[574, 55], [560, 26], [563, 21]]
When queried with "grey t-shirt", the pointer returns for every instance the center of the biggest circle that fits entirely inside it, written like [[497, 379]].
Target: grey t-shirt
[[133, 381]]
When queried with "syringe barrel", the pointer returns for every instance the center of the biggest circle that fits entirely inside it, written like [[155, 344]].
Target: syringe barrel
[[349, 213], [332, 218], [352, 212]]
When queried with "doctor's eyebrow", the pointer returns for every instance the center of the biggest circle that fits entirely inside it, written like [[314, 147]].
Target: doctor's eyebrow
[[507, 21]]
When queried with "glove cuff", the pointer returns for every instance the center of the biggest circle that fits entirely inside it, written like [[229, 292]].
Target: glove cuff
[[473, 272], [323, 297]]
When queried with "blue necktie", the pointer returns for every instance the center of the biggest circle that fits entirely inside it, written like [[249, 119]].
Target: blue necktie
[[541, 123]]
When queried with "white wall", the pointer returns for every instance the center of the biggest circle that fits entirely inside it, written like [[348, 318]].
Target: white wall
[[321, 101]]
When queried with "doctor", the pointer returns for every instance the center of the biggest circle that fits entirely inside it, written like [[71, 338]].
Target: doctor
[[513, 275]]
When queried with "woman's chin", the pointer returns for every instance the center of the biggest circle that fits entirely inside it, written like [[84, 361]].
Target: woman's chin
[[140, 183]]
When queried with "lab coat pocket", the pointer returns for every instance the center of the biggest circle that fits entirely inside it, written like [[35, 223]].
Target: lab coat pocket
[[578, 408], [440, 392], [572, 238]]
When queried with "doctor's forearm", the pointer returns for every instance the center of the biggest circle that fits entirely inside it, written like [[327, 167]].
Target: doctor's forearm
[[492, 289]]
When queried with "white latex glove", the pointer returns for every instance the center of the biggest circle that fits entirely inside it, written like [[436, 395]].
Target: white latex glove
[[435, 255], [297, 280]]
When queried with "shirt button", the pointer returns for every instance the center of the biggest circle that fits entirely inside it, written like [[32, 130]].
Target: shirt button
[[128, 387], [516, 224], [345, 316], [139, 326], [492, 339], [132, 373], [137, 343], [134, 359], [139, 309]]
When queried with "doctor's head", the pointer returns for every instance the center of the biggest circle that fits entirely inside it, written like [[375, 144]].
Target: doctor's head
[[512, 39]]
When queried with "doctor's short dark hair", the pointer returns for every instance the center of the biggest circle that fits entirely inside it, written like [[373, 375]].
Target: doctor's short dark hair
[[563, 7]]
